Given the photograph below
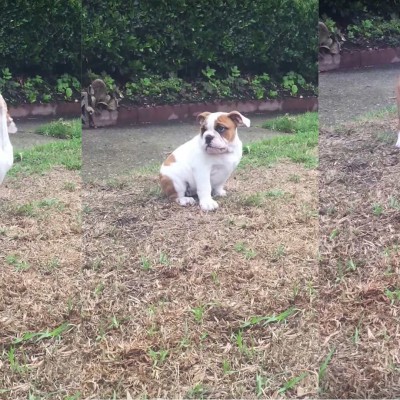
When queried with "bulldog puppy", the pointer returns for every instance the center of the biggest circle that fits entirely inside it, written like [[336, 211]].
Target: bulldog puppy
[[398, 110], [202, 165]]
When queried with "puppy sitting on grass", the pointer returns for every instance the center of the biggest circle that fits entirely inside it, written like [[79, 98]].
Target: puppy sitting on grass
[[202, 165]]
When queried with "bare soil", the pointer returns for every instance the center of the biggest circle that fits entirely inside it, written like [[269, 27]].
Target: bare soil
[[360, 260]]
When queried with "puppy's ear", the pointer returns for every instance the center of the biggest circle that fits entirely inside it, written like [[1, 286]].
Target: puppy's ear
[[201, 117], [238, 118]]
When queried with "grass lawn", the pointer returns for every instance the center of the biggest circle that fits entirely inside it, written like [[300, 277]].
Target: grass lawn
[[127, 292], [298, 147], [192, 304], [359, 249], [67, 153], [110, 290]]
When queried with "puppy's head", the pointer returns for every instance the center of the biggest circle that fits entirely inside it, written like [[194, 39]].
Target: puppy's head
[[12, 128], [219, 130]]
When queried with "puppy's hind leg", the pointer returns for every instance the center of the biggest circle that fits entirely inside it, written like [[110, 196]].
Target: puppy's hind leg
[[218, 188], [186, 201], [219, 191], [184, 194], [175, 191]]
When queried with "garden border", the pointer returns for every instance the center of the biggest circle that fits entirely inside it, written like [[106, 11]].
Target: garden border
[[359, 59], [181, 112], [177, 112]]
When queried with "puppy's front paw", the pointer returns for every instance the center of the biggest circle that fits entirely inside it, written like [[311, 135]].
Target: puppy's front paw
[[208, 205], [186, 201]]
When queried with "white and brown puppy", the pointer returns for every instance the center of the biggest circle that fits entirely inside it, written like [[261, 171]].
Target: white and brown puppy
[[7, 126], [398, 109], [202, 165]]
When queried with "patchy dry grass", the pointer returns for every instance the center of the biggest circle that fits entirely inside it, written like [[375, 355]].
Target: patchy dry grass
[[166, 301], [219, 305], [170, 302], [360, 261], [40, 280]]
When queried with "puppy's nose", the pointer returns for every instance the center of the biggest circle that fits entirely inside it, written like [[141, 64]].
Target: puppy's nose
[[209, 138]]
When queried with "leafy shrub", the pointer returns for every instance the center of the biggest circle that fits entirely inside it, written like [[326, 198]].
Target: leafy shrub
[[130, 40], [35, 88], [41, 36], [38, 90], [8, 86], [153, 89], [352, 11], [66, 85], [376, 30]]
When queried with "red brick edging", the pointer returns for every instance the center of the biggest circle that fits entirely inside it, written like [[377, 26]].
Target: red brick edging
[[359, 59], [45, 110], [182, 112]]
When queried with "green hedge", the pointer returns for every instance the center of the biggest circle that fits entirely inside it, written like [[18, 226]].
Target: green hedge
[[43, 41], [352, 11], [41, 37], [129, 39]]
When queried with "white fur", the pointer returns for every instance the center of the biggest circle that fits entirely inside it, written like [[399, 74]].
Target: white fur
[[6, 149], [12, 128], [398, 140], [196, 171]]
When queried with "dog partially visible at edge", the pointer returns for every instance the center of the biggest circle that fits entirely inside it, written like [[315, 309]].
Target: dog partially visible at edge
[[7, 126], [398, 109], [202, 165]]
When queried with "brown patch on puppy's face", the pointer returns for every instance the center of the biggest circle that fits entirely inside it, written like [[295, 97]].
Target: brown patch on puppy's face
[[226, 127], [202, 117], [170, 160]]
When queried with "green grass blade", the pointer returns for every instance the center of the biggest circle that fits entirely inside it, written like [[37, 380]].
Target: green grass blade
[[292, 383], [324, 365], [44, 335], [265, 320]]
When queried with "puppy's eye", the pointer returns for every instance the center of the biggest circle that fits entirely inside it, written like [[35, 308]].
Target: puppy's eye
[[220, 129]]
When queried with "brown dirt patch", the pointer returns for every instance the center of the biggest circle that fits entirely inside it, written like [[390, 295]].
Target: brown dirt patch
[[181, 283], [360, 260]]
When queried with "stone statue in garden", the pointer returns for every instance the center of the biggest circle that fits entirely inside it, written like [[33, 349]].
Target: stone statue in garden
[[327, 41], [97, 98]]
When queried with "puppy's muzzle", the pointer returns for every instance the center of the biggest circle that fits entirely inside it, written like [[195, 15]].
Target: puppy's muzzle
[[209, 139]]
